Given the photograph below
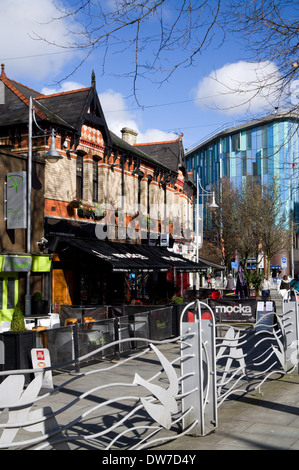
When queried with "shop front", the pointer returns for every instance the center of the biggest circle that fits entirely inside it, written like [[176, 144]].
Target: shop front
[[13, 272], [94, 272]]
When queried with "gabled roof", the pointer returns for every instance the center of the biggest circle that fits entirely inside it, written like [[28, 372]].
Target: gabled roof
[[67, 109], [126, 147], [70, 110], [169, 153]]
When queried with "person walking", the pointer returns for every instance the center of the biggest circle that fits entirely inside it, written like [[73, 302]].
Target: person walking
[[284, 288], [230, 283], [241, 288], [266, 287], [294, 284]]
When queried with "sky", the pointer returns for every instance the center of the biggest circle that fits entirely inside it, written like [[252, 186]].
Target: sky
[[194, 101]]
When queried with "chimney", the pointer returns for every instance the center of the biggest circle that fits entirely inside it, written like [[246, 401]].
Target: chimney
[[129, 135]]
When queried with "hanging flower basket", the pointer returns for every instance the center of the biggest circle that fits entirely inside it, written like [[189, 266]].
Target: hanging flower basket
[[99, 213], [75, 203], [88, 212]]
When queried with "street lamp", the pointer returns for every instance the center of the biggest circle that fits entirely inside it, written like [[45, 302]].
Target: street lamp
[[52, 156], [212, 206]]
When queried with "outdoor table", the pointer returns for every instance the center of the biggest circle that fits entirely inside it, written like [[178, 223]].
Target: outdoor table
[[35, 318]]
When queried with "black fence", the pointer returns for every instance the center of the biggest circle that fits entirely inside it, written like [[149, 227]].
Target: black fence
[[91, 328], [94, 328]]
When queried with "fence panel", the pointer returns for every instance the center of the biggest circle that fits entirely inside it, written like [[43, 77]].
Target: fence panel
[[160, 323], [247, 356], [59, 342], [93, 335]]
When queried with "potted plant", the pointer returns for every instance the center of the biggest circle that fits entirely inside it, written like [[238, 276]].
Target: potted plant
[[99, 213], [18, 343], [177, 300], [75, 202], [256, 279], [38, 305], [17, 322]]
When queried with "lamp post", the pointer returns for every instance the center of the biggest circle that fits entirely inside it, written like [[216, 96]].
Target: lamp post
[[52, 156], [212, 206]]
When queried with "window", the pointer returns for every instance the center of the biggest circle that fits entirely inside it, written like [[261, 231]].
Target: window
[[79, 176], [265, 137], [10, 293], [235, 142], [249, 140], [95, 176], [244, 163]]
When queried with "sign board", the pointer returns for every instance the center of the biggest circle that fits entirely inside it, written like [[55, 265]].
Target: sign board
[[41, 359], [13, 264], [264, 316], [16, 196], [284, 263], [234, 310], [164, 239]]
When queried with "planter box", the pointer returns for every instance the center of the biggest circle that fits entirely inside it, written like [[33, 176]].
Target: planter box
[[17, 351], [40, 307]]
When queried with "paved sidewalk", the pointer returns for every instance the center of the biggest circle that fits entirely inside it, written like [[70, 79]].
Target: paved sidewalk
[[266, 421], [257, 421]]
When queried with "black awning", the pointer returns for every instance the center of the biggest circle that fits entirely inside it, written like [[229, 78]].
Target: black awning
[[121, 257], [124, 257], [177, 261]]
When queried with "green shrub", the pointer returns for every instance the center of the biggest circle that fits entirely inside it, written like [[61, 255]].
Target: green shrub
[[177, 300], [17, 322]]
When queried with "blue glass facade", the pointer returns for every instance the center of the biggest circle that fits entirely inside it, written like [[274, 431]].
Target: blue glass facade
[[258, 150]]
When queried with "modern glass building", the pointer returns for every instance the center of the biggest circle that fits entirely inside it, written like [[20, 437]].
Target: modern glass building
[[256, 150]]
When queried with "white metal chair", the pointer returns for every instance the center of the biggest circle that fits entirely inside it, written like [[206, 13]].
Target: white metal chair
[[55, 320], [29, 324], [44, 322], [5, 326]]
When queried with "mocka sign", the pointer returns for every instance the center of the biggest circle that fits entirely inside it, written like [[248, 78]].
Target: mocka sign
[[16, 200], [230, 310]]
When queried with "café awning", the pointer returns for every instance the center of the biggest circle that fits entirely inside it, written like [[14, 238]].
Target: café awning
[[121, 257], [124, 257]]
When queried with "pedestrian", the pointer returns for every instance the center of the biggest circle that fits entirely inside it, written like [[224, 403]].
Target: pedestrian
[[213, 282], [284, 288], [266, 287], [294, 284], [230, 283], [241, 288]]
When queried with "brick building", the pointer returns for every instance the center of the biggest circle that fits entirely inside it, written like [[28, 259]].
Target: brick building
[[108, 204], [16, 264]]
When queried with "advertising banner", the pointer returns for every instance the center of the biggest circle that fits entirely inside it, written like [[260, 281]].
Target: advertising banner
[[234, 310], [17, 263], [40, 359], [16, 200]]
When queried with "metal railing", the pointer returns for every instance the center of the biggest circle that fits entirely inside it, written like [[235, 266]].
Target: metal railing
[[137, 400]]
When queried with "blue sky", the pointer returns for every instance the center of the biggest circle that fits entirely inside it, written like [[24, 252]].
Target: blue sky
[[189, 102]]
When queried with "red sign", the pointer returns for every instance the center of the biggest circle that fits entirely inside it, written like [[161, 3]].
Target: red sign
[[40, 355]]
